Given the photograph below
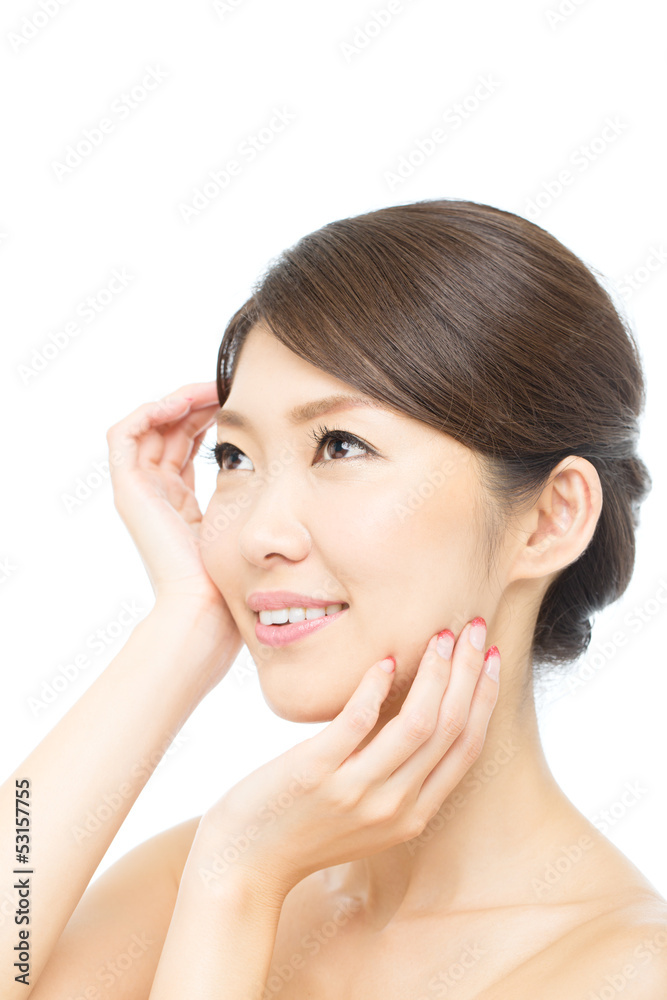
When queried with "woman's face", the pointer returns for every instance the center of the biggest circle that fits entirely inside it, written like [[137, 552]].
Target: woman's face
[[392, 531]]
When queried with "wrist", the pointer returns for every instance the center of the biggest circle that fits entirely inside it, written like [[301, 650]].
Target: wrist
[[221, 863], [199, 645]]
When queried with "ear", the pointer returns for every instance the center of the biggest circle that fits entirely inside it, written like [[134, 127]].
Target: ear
[[561, 523]]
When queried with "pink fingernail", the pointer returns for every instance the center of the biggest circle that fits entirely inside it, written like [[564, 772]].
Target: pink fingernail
[[477, 633], [445, 644], [388, 664], [492, 662]]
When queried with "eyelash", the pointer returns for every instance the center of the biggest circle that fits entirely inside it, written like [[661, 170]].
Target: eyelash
[[319, 436]]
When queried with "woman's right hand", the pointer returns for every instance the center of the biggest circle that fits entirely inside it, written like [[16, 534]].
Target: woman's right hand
[[151, 453]]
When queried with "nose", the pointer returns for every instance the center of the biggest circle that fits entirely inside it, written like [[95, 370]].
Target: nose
[[272, 525]]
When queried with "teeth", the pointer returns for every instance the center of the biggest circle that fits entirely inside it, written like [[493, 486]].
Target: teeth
[[282, 615]]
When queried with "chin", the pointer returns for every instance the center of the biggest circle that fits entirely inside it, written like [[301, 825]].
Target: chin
[[291, 708], [288, 713], [293, 699]]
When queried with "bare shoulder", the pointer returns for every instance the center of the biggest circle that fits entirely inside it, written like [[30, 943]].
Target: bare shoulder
[[115, 936], [620, 944], [623, 949]]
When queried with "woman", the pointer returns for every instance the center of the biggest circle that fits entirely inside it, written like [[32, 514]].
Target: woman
[[482, 507]]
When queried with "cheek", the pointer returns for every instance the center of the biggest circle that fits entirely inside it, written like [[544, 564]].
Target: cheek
[[404, 554], [217, 541]]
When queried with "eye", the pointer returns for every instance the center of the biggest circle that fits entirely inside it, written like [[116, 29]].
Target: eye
[[224, 450], [221, 451], [325, 436]]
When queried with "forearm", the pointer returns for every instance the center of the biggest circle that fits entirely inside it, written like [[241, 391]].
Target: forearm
[[86, 774], [223, 929]]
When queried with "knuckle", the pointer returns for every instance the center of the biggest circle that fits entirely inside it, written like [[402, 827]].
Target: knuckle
[[471, 665], [346, 796], [415, 823], [360, 718], [316, 770], [488, 694], [383, 811], [471, 746], [417, 725], [452, 720]]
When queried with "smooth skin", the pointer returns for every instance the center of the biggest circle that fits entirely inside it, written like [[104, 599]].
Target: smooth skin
[[87, 935], [346, 803], [153, 490]]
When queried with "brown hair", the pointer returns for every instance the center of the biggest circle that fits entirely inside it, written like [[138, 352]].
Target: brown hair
[[482, 325]]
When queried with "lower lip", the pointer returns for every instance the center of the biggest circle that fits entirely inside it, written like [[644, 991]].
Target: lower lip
[[281, 635]]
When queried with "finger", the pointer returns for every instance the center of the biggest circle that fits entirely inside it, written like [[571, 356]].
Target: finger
[[467, 747], [335, 743], [420, 713], [144, 423], [188, 471], [148, 415], [138, 431], [203, 393], [182, 438]]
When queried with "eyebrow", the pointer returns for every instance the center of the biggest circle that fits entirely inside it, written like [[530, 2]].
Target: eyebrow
[[305, 411]]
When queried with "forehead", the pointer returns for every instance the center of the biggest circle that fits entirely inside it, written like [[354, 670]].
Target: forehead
[[268, 376], [263, 357]]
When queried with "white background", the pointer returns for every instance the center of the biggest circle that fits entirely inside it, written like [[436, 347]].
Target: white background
[[556, 79]]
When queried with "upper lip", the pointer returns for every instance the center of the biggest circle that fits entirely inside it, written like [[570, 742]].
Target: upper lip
[[269, 600]]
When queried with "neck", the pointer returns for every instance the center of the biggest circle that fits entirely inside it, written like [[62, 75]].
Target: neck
[[491, 838]]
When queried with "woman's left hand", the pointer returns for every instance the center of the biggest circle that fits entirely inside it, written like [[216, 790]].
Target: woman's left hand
[[324, 802]]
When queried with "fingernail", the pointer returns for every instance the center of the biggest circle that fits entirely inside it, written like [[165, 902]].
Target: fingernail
[[445, 644], [388, 664], [477, 633], [492, 662]]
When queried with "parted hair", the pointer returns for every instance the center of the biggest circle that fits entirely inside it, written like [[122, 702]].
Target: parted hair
[[482, 325]]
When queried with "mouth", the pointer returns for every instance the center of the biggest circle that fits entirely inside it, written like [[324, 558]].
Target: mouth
[[281, 634]]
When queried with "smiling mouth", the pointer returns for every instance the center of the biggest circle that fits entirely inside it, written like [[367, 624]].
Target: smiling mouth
[[329, 610], [293, 631]]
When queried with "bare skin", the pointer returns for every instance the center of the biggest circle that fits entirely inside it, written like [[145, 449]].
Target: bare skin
[[394, 923], [328, 946]]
